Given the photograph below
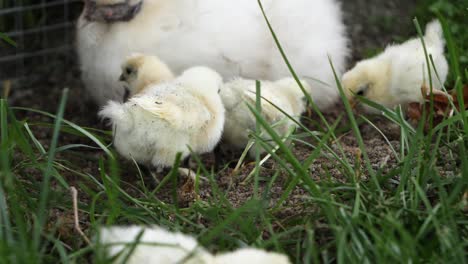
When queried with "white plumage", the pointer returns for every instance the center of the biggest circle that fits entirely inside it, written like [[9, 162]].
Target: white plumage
[[395, 77], [157, 245], [229, 36], [251, 256], [167, 118], [240, 121]]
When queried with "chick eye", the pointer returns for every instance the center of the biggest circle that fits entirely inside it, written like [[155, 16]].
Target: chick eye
[[362, 90], [128, 70]]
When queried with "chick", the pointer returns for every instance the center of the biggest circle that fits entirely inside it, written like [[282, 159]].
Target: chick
[[186, 33], [251, 256], [240, 121], [155, 245], [395, 77], [167, 118]]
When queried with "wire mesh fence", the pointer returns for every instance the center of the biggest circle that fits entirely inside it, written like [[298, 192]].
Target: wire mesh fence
[[43, 32]]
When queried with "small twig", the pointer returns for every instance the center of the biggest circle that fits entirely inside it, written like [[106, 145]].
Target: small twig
[[74, 193], [358, 162], [240, 162], [338, 139]]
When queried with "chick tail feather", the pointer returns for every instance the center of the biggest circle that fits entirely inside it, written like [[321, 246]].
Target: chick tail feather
[[117, 114], [435, 34]]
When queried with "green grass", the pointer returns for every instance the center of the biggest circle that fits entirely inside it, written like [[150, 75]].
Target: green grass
[[408, 214], [8, 40], [455, 12]]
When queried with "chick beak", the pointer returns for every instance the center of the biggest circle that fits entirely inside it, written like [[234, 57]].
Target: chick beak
[[126, 94], [122, 78], [353, 102]]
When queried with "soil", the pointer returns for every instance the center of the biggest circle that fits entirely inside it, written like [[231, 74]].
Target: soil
[[371, 26]]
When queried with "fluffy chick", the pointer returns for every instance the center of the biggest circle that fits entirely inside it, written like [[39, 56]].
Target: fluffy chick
[[395, 76], [157, 245], [167, 118], [186, 33], [240, 121], [161, 246]]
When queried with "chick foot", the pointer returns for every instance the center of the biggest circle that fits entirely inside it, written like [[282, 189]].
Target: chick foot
[[191, 175]]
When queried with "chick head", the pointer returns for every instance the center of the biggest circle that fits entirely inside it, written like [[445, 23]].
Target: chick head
[[111, 11], [369, 79], [139, 71]]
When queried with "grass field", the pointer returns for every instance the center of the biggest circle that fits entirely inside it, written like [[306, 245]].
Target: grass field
[[412, 210]]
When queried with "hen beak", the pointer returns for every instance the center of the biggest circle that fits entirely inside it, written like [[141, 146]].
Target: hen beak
[[111, 13]]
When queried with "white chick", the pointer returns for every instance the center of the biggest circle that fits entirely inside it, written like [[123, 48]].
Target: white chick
[[395, 77], [155, 245], [167, 118], [251, 256], [229, 36], [240, 121]]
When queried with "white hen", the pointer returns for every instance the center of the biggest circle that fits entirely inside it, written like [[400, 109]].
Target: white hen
[[157, 245], [240, 121], [229, 36], [167, 118], [395, 77]]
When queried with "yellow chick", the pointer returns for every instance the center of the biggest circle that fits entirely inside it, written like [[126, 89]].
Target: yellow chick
[[164, 119], [395, 77], [240, 121]]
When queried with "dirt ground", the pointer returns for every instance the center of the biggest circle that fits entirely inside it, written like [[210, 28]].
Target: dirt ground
[[371, 25]]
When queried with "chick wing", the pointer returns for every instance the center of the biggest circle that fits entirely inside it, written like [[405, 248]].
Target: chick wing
[[182, 110]]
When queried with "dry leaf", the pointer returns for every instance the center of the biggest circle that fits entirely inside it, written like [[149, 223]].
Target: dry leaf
[[465, 96], [441, 104], [414, 111]]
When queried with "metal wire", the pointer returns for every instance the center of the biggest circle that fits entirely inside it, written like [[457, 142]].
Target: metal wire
[[42, 30], [21, 8]]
